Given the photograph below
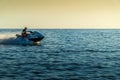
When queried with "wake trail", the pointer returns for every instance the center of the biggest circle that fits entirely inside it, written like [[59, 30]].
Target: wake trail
[[8, 38]]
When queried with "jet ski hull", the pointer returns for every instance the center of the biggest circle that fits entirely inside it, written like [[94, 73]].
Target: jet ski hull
[[33, 38], [36, 39]]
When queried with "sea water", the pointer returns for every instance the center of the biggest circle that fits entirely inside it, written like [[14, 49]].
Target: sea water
[[63, 55]]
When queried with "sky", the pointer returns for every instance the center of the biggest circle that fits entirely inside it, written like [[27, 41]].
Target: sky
[[80, 14]]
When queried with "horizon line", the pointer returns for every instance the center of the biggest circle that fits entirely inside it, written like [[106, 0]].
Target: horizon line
[[63, 28]]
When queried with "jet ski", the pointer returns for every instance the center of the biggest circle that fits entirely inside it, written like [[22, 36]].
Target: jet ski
[[32, 38]]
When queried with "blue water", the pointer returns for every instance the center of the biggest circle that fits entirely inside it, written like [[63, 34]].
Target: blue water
[[63, 55]]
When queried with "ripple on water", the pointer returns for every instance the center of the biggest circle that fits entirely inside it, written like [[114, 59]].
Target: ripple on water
[[64, 55]]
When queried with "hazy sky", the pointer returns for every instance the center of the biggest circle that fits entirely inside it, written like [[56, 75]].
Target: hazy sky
[[60, 13]]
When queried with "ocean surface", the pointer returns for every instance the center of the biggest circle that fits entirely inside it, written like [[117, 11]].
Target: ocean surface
[[64, 54]]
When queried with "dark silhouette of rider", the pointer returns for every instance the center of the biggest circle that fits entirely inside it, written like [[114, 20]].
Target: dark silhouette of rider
[[24, 32]]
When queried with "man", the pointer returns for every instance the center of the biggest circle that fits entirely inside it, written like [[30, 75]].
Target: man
[[24, 32]]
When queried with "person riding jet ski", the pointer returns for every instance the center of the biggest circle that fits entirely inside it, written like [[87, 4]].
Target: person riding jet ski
[[24, 32], [29, 37]]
